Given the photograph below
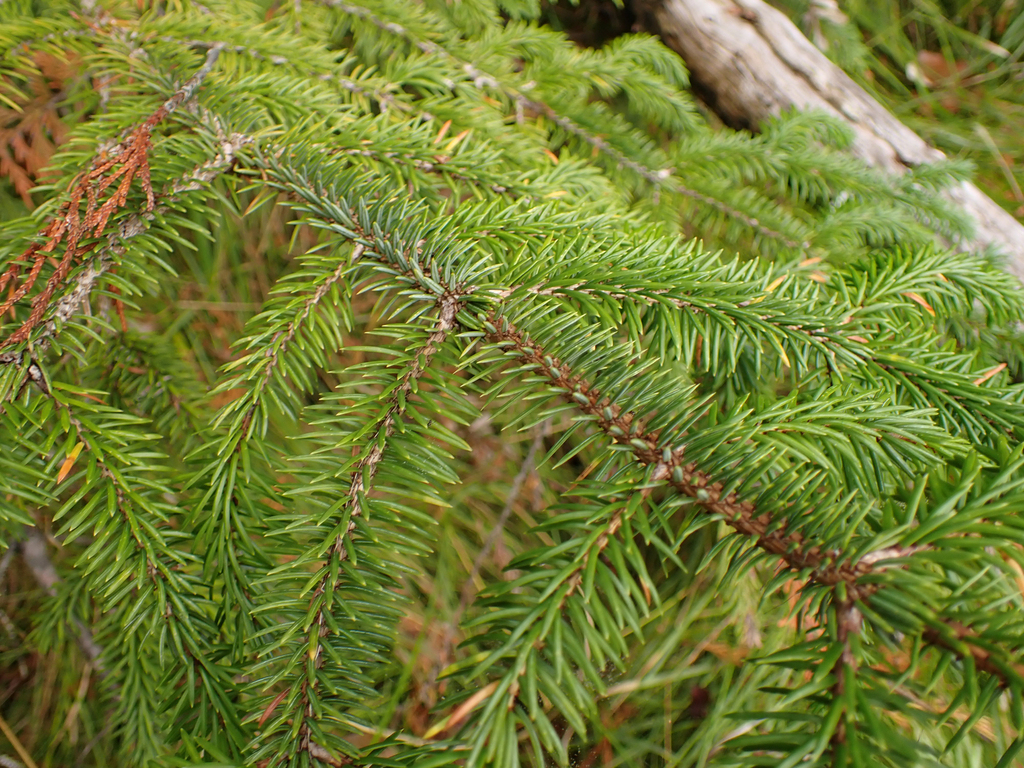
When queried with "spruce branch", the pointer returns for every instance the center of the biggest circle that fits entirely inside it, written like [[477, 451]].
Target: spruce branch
[[318, 623], [361, 481], [264, 590], [385, 99], [660, 179], [826, 567], [118, 242], [34, 553], [259, 377], [409, 263], [123, 161], [566, 595], [275, 352], [668, 465], [760, 319], [164, 593]]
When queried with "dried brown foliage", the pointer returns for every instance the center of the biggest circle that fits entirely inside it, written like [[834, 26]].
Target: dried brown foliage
[[32, 130]]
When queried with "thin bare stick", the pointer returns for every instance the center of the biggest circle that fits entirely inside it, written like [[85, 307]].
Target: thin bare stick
[[16, 743]]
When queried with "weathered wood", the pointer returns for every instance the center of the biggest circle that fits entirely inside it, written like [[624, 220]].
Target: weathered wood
[[751, 62]]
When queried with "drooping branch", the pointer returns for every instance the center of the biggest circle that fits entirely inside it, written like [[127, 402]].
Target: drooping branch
[[37, 559], [157, 574], [281, 342], [365, 470], [361, 480], [117, 242], [827, 568]]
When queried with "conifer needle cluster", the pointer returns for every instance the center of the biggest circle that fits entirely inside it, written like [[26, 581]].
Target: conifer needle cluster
[[399, 384]]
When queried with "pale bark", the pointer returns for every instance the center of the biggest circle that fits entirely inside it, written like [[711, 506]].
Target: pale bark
[[751, 62]]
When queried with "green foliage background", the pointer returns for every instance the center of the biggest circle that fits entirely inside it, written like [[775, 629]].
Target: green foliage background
[[476, 403]]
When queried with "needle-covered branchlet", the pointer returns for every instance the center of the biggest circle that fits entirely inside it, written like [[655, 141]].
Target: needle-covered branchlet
[[663, 178], [36, 557], [672, 468], [283, 340], [157, 572], [360, 483], [118, 241], [965, 642], [71, 227], [826, 568]]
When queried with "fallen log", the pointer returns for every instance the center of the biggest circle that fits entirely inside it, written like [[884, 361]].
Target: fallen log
[[751, 62]]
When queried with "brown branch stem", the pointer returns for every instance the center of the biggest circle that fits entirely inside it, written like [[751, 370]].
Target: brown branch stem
[[849, 621], [963, 641], [117, 242], [671, 468]]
